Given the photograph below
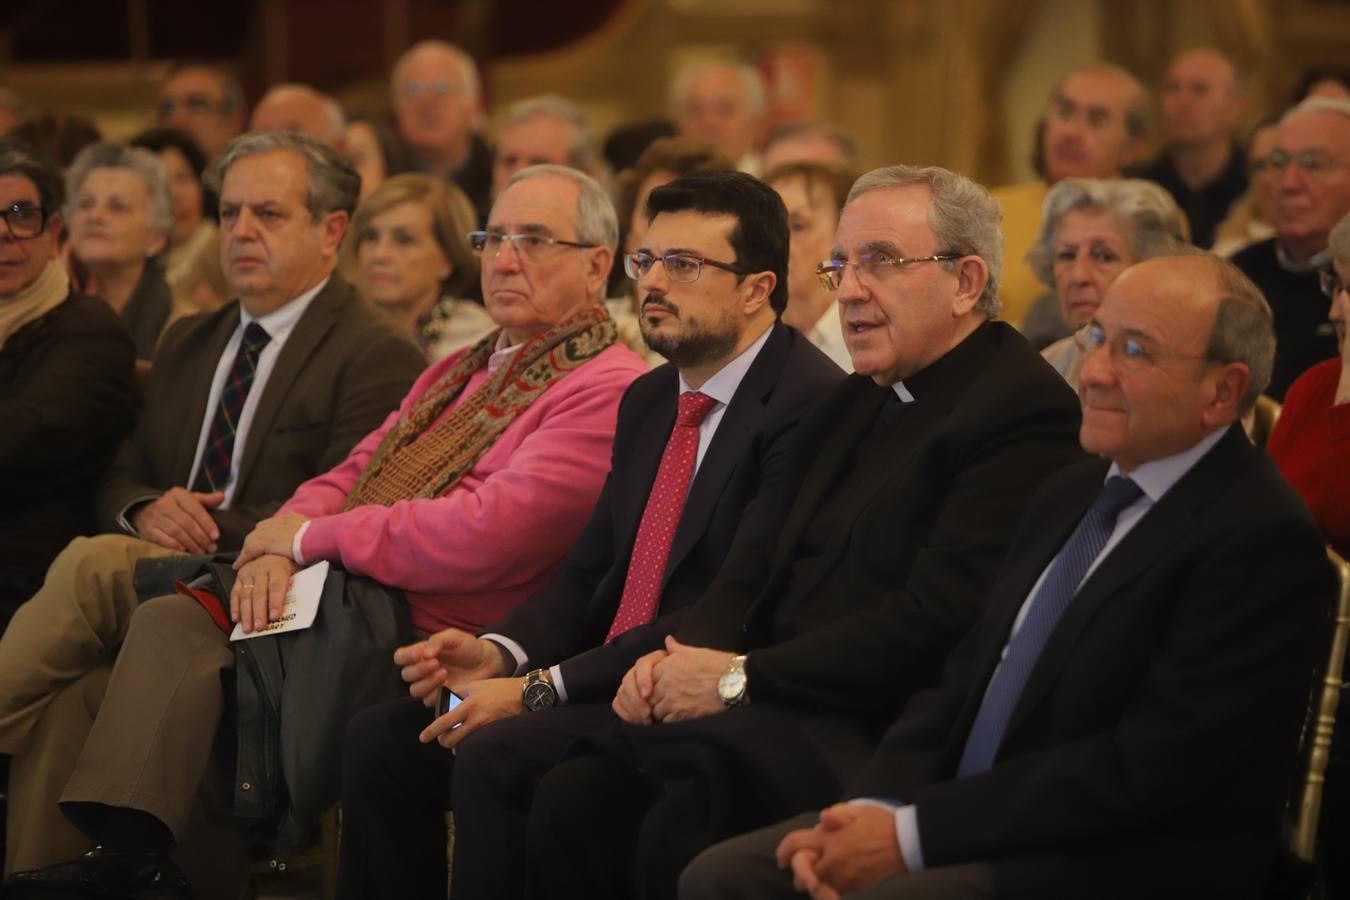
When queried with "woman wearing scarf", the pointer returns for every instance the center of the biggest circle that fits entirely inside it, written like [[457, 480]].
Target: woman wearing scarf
[[66, 390]]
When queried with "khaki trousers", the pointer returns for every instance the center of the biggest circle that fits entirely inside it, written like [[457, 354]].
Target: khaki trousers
[[69, 628], [55, 661]]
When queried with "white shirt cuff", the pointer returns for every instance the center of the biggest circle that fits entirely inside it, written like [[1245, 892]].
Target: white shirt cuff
[[122, 519], [556, 672], [296, 542], [517, 652], [906, 830]]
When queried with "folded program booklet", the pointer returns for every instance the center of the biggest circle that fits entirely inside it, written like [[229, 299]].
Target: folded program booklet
[[301, 606]]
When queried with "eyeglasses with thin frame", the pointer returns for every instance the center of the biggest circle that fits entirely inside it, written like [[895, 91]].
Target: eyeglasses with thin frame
[[24, 220], [528, 246], [873, 265], [1310, 162], [1127, 352], [680, 267], [1331, 282]]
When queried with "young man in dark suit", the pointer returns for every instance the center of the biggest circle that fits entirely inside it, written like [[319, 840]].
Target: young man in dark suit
[[242, 406], [901, 492], [1124, 722], [698, 455]]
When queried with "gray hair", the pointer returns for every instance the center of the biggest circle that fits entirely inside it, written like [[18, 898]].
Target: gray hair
[[468, 71], [597, 222], [1244, 329], [337, 119], [1334, 105], [146, 165], [1145, 213], [1339, 242], [964, 217], [584, 152], [752, 83], [333, 185]]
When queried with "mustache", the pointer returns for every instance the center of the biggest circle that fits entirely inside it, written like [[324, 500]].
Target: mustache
[[660, 303]]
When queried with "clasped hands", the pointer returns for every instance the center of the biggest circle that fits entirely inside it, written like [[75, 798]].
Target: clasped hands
[[263, 571], [471, 667], [853, 846], [679, 682]]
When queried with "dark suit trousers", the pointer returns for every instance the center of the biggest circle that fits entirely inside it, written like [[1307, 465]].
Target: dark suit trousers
[[496, 773], [395, 791]]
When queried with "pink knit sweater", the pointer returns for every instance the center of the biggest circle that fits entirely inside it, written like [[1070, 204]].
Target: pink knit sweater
[[466, 558]]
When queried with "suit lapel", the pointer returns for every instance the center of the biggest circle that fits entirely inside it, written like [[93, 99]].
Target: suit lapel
[[740, 423], [1161, 529], [321, 315], [197, 391], [653, 429]]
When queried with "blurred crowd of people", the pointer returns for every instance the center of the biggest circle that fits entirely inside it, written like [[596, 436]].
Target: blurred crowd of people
[[421, 348]]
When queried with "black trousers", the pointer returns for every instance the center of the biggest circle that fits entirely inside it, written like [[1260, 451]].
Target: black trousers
[[495, 776], [395, 792]]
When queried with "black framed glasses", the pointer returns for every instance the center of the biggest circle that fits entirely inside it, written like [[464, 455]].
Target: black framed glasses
[[1330, 282], [24, 220], [681, 267], [873, 265], [532, 247]]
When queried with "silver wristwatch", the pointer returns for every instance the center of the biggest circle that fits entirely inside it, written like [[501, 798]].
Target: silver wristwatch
[[538, 692], [734, 687]]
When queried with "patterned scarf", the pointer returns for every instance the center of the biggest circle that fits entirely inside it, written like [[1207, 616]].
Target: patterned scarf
[[416, 460]]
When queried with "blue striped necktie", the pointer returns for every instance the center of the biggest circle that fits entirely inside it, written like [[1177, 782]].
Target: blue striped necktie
[[1047, 607], [214, 473]]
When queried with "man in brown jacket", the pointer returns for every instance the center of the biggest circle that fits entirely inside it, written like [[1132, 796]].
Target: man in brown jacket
[[242, 406]]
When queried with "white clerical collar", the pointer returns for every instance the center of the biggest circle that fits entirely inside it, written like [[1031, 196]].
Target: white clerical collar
[[902, 392]]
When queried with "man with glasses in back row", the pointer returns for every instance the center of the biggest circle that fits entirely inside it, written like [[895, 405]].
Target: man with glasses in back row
[[901, 491], [699, 452], [1311, 163], [206, 102]]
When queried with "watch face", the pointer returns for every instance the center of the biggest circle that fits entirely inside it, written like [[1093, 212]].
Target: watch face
[[731, 685], [539, 695]]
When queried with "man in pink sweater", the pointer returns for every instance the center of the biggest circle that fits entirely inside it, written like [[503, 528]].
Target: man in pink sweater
[[466, 499]]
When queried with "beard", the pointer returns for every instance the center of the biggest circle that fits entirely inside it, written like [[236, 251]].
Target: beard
[[695, 343]]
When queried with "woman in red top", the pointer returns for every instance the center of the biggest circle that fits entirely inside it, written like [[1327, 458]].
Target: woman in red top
[[1311, 442]]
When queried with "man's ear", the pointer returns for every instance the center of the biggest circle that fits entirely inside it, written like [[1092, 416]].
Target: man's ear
[[334, 227], [1223, 403], [756, 290], [972, 274], [597, 272]]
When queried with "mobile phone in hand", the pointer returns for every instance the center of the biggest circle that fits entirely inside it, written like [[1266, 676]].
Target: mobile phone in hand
[[447, 700]]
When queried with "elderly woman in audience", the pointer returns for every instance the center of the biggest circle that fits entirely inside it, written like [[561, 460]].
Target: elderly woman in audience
[[1091, 231], [1311, 441], [413, 260], [120, 210], [814, 193], [66, 389], [195, 239]]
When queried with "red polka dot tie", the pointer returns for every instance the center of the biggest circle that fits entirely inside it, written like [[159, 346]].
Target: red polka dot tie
[[642, 586]]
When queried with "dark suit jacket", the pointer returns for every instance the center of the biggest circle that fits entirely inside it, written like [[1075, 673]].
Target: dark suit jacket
[[871, 617], [742, 472], [1153, 747], [341, 372], [67, 400]]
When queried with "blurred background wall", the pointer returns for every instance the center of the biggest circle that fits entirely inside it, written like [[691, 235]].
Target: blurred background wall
[[955, 82]]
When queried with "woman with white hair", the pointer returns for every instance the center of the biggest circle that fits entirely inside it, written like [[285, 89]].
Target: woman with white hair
[[1091, 231], [1309, 441], [120, 210]]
